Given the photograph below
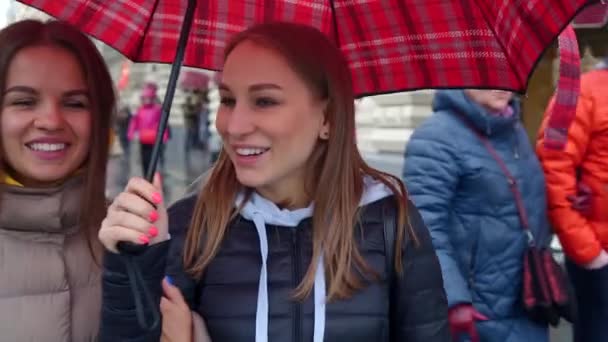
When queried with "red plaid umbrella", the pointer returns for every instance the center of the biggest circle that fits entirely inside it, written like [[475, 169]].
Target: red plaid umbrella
[[391, 45]]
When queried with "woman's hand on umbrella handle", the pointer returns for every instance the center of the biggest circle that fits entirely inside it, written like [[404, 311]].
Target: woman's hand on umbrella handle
[[137, 215]]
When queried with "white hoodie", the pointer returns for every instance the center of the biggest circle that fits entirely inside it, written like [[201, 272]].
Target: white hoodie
[[262, 211]]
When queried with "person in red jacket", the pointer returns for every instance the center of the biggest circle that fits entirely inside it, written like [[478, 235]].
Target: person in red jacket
[[582, 166]]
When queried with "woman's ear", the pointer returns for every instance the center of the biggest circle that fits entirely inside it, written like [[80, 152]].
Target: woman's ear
[[324, 131]]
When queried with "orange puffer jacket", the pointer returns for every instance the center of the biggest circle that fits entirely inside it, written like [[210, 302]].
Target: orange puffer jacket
[[585, 159]]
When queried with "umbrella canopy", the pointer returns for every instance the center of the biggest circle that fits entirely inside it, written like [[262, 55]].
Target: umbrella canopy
[[390, 45], [192, 80]]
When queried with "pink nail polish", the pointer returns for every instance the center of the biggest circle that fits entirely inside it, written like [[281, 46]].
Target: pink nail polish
[[153, 231], [144, 239], [157, 198], [153, 216]]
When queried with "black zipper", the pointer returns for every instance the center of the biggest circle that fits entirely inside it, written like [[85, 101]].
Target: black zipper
[[297, 306]]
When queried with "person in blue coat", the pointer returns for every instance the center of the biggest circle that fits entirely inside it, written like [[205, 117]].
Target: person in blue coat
[[465, 201]]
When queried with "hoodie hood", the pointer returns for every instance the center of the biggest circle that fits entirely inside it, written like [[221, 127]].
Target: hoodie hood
[[456, 101], [262, 212]]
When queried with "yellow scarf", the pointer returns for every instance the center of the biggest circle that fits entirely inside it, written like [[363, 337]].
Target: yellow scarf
[[8, 180], [11, 181]]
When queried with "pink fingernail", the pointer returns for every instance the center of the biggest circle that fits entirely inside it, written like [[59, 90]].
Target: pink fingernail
[[153, 231], [144, 239], [157, 198], [153, 216]]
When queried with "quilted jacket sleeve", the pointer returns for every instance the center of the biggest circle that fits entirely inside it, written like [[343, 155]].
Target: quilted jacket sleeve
[[575, 232], [118, 316], [431, 175], [422, 313]]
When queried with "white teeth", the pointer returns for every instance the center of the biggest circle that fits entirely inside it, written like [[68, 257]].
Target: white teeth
[[46, 147], [250, 151]]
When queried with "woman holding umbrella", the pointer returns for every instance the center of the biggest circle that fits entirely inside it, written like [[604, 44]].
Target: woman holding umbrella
[[293, 237], [56, 104]]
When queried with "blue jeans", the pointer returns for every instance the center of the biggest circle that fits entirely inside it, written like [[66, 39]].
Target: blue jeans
[[591, 288]]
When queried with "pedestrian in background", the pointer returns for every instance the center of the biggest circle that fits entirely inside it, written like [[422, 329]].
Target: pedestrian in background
[[577, 185], [144, 124], [466, 201]]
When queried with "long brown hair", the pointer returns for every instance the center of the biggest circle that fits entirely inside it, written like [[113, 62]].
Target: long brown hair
[[335, 164], [29, 33]]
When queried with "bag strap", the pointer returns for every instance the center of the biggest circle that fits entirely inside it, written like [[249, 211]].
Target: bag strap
[[521, 209]]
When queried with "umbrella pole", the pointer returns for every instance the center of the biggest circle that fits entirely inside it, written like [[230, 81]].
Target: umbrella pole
[[168, 100], [129, 247]]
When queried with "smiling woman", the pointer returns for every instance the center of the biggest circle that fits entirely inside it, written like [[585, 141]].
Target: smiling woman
[[46, 117], [293, 237], [270, 129], [56, 102]]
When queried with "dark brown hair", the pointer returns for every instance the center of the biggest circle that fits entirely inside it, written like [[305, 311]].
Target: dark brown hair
[[27, 33], [335, 164]]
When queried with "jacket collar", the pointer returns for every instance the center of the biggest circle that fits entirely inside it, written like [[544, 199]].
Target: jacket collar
[[52, 210], [262, 212], [456, 101]]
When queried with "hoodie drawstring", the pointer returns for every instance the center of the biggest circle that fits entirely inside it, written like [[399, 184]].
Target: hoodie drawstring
[[261, 316], [319, 298], [262, 211]]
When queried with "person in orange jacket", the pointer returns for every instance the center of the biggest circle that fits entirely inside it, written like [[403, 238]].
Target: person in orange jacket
[[582, 166]]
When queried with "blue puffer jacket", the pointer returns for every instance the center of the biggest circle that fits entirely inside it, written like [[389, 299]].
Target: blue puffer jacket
[[465, 201]]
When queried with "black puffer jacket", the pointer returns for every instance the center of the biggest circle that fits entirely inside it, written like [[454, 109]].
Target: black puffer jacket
[[227, 293]]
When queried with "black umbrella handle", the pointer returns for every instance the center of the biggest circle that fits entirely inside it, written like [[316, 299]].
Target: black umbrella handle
[[128, 247]]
